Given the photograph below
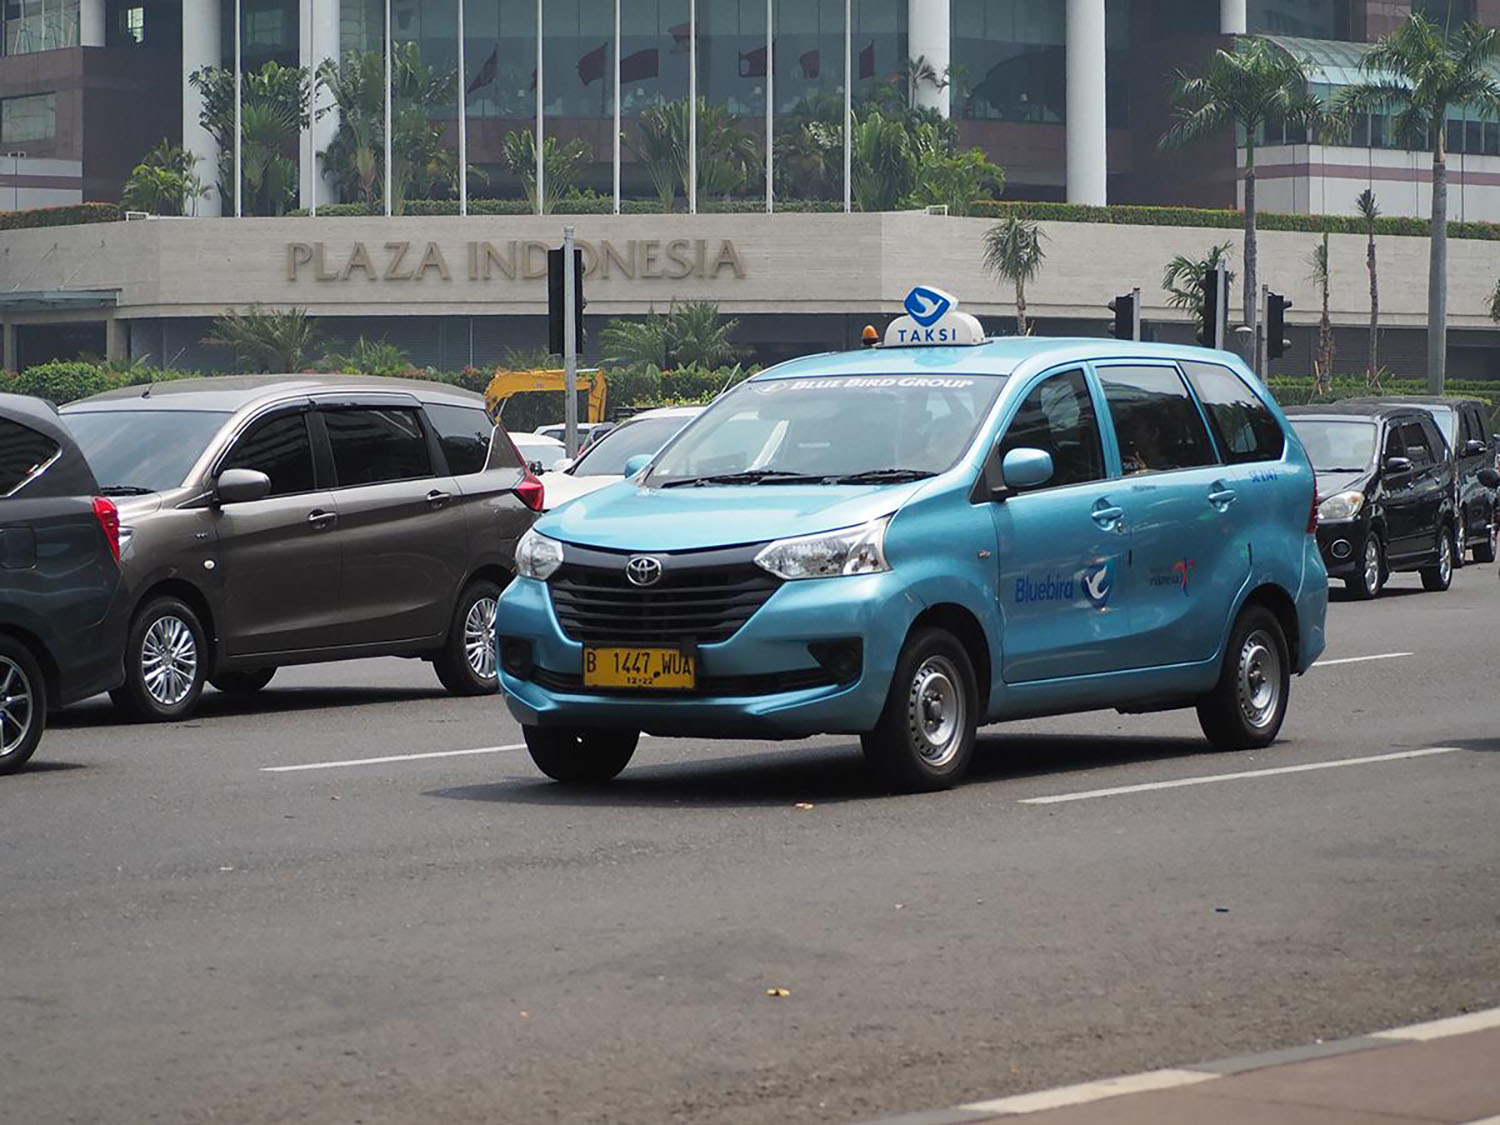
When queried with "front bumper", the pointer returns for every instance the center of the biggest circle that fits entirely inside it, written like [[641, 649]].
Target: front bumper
[[762, 682], [1342, 546]]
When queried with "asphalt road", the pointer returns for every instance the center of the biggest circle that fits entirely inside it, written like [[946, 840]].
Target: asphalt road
[[186, 935]]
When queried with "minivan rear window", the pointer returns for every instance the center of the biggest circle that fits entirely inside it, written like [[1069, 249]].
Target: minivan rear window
[[372, 445], [1244, 427], [135, 451], [23, 454]]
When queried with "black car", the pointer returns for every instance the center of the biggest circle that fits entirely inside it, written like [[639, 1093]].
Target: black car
[[1385, 492], [62, 604], [1464, 422]]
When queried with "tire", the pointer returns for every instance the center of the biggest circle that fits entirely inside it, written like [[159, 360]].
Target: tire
[[166, 658], [23, 704], [1370, 580], [1246, 708], [247, 682], [466, 662], [1439, 576], [924, 739], [1485, 552], [580, 757]]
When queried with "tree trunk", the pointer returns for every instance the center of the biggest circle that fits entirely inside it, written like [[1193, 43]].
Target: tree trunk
[[1252, 257], [1021, 329], [1437, 274], [1372, 375]]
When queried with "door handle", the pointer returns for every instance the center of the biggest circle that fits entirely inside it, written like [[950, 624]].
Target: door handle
[[1107, 515], [321, 519], [437, 498], [1221, 495]]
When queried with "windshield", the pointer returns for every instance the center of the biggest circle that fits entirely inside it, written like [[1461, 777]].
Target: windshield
[[832, 427], [140, 451], [544, 453], [607, 456], [1337, 446], [1446, 418]]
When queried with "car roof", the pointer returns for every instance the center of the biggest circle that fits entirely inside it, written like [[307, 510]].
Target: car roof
[[1423, 400], [1354, 408], [230, 393]]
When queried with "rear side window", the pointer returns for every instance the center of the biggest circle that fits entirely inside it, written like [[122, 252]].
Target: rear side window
[[1244, 427], [372, 445], [278, 447], [1156, 421], [23, 454], [1418, 446], [467, 438]]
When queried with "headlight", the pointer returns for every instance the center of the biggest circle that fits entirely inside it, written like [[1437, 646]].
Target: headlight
[[1341, 506], [851, 550], [537, 556]]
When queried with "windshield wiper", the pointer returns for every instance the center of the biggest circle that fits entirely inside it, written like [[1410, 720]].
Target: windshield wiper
[[750, 476], [125, 490], [881, 476]]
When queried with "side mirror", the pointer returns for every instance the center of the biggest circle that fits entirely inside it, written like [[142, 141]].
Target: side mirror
[[1473, 447], [237, 486], [1398, 464], [535, 467], [1027, 468], [637, 463], [1489, 478]]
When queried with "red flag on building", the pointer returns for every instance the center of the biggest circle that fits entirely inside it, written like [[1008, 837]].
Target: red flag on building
[[753, 63], [640, 66], [591, 65], [812, 63], [867, 61], [486, 73], [680, 36]]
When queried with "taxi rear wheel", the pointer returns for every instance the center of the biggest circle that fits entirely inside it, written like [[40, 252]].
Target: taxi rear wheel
[[924, 740], [580, 757], [1248, 704]]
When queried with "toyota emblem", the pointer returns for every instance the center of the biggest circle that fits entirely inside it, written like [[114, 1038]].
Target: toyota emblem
[[643, 570]]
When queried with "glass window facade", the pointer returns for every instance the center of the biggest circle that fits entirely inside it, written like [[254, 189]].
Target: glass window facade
[[269, 32], [32, 118], [38, 25], [1312, 19]]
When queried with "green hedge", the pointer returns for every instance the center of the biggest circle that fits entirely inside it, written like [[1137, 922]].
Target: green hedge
[[65, 380], [1301, 390], [568, 207], [70, 215]]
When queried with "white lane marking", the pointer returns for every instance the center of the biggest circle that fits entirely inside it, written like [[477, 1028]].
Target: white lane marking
[[1361, 659], [1090, 1091], [1441, 1029], [1178, 783], [392, 758]]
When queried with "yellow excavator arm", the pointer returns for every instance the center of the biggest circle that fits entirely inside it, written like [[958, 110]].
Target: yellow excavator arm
[[507, 383]]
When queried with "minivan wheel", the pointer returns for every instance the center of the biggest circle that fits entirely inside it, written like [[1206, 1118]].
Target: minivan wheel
[[165, 663], [23, 704], [1246, 708], [580, 757], [243, 683], [1484, 552], [1367, 582], [1439, 576], [924, 739], [466, 662]]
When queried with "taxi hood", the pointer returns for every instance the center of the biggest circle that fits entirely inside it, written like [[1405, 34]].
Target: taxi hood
[[627, 517]]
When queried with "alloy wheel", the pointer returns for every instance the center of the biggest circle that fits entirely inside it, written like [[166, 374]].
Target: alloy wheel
[[17, 710], [936, 711], [1445, 558], [479, 637], [169, 660], [1372, 565], [1259, 679]]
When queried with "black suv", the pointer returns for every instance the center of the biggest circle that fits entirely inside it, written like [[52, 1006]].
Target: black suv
[[1385, 492], [1465, 424], [62, 604]]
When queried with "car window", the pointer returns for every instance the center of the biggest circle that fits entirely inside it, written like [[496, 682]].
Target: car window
[[1418, 445], [1245, 428], [607, 456], [533, 449], [1341, 445], [376, 444], [142, 450], [1156, 421], [280, 448], [1057, 415], [465, 433], [1394, 447], [23, 454], [1447, 422]]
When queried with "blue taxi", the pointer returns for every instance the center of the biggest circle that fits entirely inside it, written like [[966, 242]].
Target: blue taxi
[[913, 540]]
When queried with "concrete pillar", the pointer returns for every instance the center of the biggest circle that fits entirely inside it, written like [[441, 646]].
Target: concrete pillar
[[201, 46], [117, 340], [1087, 160], [930, 38], [319, 39], [1232, 17], [8, 359], [91, 23]]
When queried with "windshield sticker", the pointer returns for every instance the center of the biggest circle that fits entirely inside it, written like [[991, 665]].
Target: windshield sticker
[[864, 382]]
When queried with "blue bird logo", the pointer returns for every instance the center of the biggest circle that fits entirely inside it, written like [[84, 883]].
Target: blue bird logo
[[927, 306]]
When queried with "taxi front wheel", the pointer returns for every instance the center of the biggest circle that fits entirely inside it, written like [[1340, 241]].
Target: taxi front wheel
[[1246, 708], [924, 740], [580, 757]]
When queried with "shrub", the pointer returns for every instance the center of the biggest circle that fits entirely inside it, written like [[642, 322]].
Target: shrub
[[72, 214], [65, 380]]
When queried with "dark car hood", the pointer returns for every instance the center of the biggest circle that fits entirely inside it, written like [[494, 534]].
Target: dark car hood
[[1331, 483]]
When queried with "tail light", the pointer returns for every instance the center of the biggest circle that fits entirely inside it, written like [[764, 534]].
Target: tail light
[[109, 522], [1312, 515], [531, 492]]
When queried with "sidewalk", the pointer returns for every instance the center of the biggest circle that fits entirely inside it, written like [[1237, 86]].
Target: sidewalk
[[1441, 1073]]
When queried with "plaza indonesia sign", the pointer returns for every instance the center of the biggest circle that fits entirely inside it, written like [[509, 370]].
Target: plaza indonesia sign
[[671, 259]]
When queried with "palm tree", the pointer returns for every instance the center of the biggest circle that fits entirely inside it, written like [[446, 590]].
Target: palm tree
[[274, 340], [1182, 280], [1321, 278], [691, 334], [1415, 74], [1248, 88], [165, 182], [1013, 252], [1369, 211], [563, 165], [1494, 303]]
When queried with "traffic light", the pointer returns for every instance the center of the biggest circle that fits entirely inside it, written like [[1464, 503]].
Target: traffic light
[[1127, 310], [555, 312], [1211, 309], [1276, 341]]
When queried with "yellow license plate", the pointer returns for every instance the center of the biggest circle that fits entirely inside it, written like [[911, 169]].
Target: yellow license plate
[[660, 669]]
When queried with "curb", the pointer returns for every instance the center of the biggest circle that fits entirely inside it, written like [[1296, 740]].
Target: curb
[[1021, 1104]]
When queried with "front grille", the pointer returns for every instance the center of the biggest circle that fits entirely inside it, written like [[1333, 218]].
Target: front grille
[[707, 605], [768, 683]]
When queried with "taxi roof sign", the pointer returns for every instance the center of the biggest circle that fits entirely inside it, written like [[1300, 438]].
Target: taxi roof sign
[[932, 317]]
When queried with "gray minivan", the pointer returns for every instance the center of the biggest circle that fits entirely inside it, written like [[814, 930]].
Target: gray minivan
[[294, 519]]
